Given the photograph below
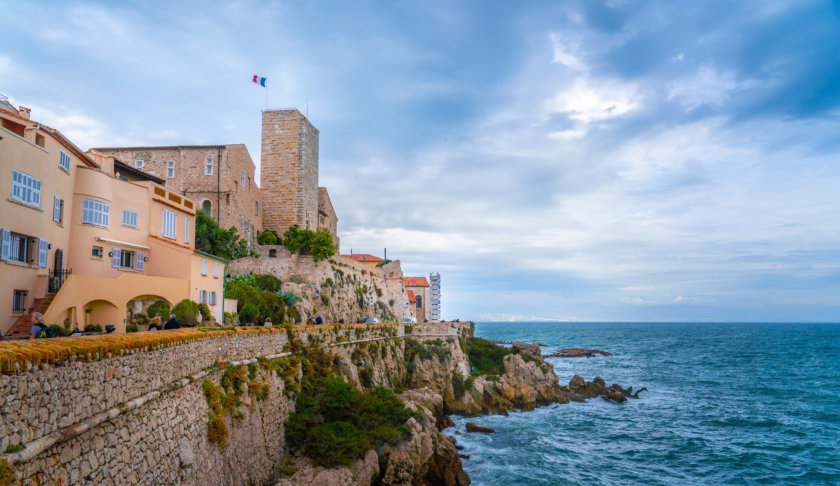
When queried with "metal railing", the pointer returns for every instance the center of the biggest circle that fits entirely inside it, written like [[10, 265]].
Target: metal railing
[[57, 279]]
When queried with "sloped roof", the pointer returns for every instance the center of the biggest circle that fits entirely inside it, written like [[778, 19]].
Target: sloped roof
[[411, 297], [364, 257], [416, 282]]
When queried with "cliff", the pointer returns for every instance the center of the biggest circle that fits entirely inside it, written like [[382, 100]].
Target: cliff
[[207, 407], [339, 288]]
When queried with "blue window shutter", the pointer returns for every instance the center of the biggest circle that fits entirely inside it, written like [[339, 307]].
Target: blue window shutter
[[43, 247], [116, 254], [138, 264], [6, 244]]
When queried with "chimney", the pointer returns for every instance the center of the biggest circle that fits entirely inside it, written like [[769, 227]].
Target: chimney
[[24, 111]]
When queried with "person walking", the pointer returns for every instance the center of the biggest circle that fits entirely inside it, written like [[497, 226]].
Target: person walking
[[38, 329], [171, 323]]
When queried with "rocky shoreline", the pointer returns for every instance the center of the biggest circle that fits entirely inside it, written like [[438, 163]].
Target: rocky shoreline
[[425, 456]]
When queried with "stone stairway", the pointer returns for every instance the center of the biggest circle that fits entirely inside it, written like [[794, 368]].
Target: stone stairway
[[20, 329]]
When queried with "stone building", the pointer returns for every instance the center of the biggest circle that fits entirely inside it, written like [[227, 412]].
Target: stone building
[[327, 218], [289, 170], [220, 178], [419, 286]]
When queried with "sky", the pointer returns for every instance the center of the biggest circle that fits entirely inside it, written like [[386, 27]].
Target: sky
[[561, 160]]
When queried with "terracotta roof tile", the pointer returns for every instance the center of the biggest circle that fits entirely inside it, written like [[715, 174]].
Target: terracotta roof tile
[[416, 282], [411, 297], [364, 257]]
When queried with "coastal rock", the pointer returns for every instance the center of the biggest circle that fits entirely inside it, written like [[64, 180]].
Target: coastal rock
[[527, 348], [362, 473], [473, 427], [581, 390], [432, 402], [576, 353]]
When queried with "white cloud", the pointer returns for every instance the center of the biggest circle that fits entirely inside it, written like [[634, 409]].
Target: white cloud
[[589, 100], [706, 87], [566, 52]]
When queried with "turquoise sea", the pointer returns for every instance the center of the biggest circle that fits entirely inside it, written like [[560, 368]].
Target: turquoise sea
[[727, 404]]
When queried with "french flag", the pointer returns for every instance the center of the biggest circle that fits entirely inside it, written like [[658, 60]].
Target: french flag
[[259, 80]]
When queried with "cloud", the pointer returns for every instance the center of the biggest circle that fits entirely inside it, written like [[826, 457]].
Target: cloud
[[706, 86]]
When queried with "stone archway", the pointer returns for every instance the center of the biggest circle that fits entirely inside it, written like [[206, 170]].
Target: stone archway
[[102, 312]]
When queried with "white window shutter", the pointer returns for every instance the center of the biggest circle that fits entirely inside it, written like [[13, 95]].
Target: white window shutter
[[43, 247], [204, 267], [216, 269], [6, 246], [186, 230], [138, 264], [214, 298], [57, 209], [116, 254]]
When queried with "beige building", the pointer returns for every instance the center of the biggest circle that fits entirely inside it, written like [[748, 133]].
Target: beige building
[[327, 218], [220, 178], [419, 286], [38, 166], [85, 238]]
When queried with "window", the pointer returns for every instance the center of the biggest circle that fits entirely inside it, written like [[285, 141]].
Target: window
[[96, 252], [129, 218], [19, 301], [64, 161], [212, 298], [40, 140], [58, 209], [21, 248], [208, 166], [170, 169], [138, 164], [204, 267], [169, 221], [95, 212], [207, 208], [256, 209], [127, 260], [26, 189], [242, 178], [215, 269], [186, 230], [201, 296]]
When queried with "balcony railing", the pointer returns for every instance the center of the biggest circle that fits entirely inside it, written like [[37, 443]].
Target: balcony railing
[[57, 279]]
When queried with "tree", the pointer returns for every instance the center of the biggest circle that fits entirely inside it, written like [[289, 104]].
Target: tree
[[269, 237], [319, 243], [211, 238]]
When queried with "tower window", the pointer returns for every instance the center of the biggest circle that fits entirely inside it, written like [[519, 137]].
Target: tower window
[[208, 166]]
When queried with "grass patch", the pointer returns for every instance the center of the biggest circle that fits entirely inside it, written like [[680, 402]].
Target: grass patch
[[485, 357]]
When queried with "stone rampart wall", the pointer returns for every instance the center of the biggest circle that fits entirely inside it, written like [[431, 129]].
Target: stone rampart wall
[[141, 417]]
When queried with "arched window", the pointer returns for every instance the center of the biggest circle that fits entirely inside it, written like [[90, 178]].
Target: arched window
[[207, 208], [419, 301]]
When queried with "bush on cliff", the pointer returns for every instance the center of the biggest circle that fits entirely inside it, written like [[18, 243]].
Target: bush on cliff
[[319, 243], [485, 357], [269, 237], [211, 238], [251, 291], [334, 424]]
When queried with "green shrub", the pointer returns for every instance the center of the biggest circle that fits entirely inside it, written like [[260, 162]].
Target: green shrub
[[14, 448], [93, 328], [318, 244], [131, 328], [485, 357], [61, 330], [269, 283], [366, 376], [186, 313], [335, 424], [211, 238], [158, 309], [246, 290], [204, 310], [269, 237], [458, 387], [249, 313]]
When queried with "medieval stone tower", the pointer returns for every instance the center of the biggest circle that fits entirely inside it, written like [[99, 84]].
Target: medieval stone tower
[[289, 171]]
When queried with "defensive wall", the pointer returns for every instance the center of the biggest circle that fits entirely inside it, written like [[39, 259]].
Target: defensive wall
[[131, 409]]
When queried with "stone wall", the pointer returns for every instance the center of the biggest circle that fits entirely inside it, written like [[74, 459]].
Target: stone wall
[[340, 288], [141, 417], [327, 219], [289, 170]]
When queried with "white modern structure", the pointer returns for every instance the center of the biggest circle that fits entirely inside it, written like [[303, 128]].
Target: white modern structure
[[434, 293]]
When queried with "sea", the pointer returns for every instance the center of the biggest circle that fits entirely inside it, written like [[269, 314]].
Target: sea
[[727, 403]]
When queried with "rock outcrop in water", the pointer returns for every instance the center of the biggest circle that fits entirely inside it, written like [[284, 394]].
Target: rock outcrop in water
[[580, 390], [576, 353]]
